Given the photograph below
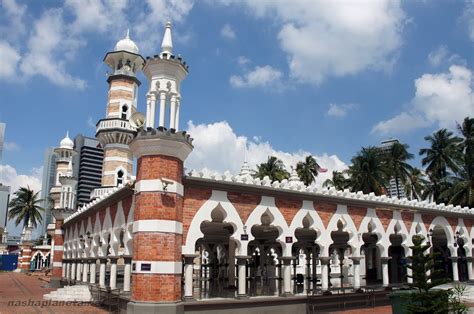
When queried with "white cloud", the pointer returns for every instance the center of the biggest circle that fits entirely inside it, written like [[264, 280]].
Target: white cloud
[[441, 99], [243, 61], [11, 146], [14, 13], [48, 40], [335, 38], [259, 77], [339, 110], [8, 61], [442, 55], [10, 177], [217, 148], [90, 123], [468, 18], [228, 32]]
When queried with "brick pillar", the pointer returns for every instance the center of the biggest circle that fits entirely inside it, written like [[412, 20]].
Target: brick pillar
[[157, 232], [25, 258], [58, 248]]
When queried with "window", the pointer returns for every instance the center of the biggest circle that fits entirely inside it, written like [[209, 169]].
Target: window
[[124, 112], [120, 177]]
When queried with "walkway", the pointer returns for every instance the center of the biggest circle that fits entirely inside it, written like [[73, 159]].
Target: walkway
[[20, 293]]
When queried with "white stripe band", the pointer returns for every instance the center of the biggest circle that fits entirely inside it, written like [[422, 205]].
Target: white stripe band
[[57, 264], [58, 248], [120, 159], [158, 225], [124, 88], [153, 267], [58, 231], [158, 185]]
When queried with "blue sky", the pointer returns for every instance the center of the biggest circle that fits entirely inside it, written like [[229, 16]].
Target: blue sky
[[280, 77]]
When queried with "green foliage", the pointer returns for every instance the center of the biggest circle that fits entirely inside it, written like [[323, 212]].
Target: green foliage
[[307, 170], [367, 172], [338, 181], [273, 168], [25, 208]]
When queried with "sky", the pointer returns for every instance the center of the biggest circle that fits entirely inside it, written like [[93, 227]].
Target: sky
[[284, 78]]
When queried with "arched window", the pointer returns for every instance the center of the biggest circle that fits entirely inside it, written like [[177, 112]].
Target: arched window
[[124, 112], [120, 177]]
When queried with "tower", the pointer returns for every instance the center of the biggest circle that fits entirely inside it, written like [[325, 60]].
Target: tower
[[114, 132], [158, 213], [63, 192]]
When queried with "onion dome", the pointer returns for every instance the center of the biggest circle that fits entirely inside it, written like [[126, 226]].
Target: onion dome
[[126, 44]]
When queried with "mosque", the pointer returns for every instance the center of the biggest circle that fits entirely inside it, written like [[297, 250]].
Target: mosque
[[176, 242]]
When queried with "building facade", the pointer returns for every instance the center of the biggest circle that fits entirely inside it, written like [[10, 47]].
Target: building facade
[[395, 188], [47, 182], [163, 237]]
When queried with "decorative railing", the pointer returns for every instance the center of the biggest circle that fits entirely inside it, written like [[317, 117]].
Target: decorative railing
[[114, 123], [99, 192]]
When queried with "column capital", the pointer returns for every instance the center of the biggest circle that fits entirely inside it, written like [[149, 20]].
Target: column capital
[[325, 260], [356, 259], [152, 142], [189, 258], [287, 259], [454, 259]]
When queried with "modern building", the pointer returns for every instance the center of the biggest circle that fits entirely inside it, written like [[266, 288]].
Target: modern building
[[49, 176], [228, 240], [395, 188], [87, 166], [4, 200], [2, 136]]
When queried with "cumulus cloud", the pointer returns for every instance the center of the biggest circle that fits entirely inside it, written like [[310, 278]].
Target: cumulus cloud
[[334, 38], [243, 61], [14, 14], [468, 18], [11, 146], [441, 99], [8, 61], [228, 32], [339, 110], [217, 148], [442, 55], [10, 177], [260, 76]]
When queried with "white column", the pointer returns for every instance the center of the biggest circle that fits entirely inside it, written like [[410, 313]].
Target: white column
[[242, 268], [162, 109], [78, 271], [73, 270], [63, 274], [409, 270], [188, 275], [127, 273], [356, 265], [113, 273], [173, 112], [103, 261], [178, 105], [231, 263], [385, 277], [469, 268], [68, 270], [148, 112], [85, 271], [324, 273], [454, 260], [287, 274], [152, 110], [92, 268]]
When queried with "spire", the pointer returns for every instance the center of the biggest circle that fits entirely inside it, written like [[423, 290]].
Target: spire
[[245, 170], [167, 43], [128, 34], [294, 175]]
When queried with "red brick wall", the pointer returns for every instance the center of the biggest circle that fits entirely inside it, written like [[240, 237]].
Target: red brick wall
[[157, 287], [453, 221], [385, 217], [407, 218], [288, 207], [245, 203], [325, 211], [427, 219], [357, 214], [156, 167], [468, 224], [127, 205], [194, 198]]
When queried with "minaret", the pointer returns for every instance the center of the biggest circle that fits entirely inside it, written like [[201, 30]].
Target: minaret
[[165, 73], [59, 193], [114, 132], [159, 191]]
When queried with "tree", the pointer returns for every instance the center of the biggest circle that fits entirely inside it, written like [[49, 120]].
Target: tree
[[338, 181], [307, 170], [416, 184], [273, 168], [461, 188], [395, 162], [25, 208], [367, 172]]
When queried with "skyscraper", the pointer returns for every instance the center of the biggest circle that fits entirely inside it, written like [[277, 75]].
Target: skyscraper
[[2, 135], [392, 189], [87, 164], [49, 176]]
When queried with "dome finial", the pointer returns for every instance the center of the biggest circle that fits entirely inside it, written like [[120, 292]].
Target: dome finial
[[128, 33], [66, 142], [167, 43]]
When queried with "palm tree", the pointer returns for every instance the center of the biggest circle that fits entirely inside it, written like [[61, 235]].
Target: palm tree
[[273, 168], [25, 208], [367, 172], [338, 181], [416, 184], [443, 155], [461, 191], [395, 161], [307, 170]]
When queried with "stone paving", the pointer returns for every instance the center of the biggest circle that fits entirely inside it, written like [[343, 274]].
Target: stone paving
[[20, 293]]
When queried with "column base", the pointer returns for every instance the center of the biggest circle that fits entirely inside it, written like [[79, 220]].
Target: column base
[[154, 308], [287, 294], [242, 296], [189, 299]]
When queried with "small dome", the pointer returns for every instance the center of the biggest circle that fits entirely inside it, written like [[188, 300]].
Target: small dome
[[126, 44], [66, 142]]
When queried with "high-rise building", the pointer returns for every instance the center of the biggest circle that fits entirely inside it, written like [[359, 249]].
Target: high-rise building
[[392, 189], [87, 165], [2, 135], [49, 175], [4, 199]]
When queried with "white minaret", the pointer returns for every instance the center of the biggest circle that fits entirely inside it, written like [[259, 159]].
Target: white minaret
[[115, 132], [165, 73], [64, 175]]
